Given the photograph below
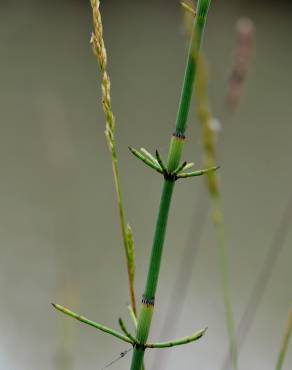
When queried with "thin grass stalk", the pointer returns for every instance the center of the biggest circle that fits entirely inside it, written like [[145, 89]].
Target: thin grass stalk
[[284, 347], [209, 142], [99, 50], [175, 151], [263, 278]]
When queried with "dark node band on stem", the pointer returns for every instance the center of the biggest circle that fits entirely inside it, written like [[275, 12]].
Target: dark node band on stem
[[148, 302], [179, 135], [169, 176], [139, 346]]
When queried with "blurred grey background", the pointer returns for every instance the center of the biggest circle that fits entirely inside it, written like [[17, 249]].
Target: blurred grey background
[[60, 237]]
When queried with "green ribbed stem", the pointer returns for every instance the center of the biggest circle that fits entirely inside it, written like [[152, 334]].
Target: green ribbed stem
[[175, 151]]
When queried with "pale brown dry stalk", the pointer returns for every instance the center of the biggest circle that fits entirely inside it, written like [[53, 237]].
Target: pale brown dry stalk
[[99, 50], [245, 31], [209, 143]]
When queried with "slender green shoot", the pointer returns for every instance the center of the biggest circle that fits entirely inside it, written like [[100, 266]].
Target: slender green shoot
[[180, 168], [96, 325], [188, 8], [150, 156], [178, 342], [188, 166], [146, 160], [99, 51], [185, 175], [284, 347], [160, 161], [209, 140], [133, 316], [125, 330]]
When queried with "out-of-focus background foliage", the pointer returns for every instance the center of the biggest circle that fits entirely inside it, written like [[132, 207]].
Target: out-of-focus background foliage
[[60, 238]]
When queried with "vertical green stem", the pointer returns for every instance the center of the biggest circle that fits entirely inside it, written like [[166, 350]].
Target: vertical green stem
[[285, 343], [175, 151], [159, 236]]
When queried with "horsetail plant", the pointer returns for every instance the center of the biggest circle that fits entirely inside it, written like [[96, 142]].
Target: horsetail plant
[[173, 163], [171, 172]]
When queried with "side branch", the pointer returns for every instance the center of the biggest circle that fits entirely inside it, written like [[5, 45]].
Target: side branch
[[146, 160], [184, 175], [158, 165], [178, 342], [125, 330], [92, 323]]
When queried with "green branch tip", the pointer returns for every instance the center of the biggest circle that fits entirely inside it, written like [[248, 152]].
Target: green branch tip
[[184, 175], [96, 325], [178, 342], [188, 8], [189, 165], [180, 168], [132, 316], [162, 165], [146, 160], [125, 330], [150, 156]]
